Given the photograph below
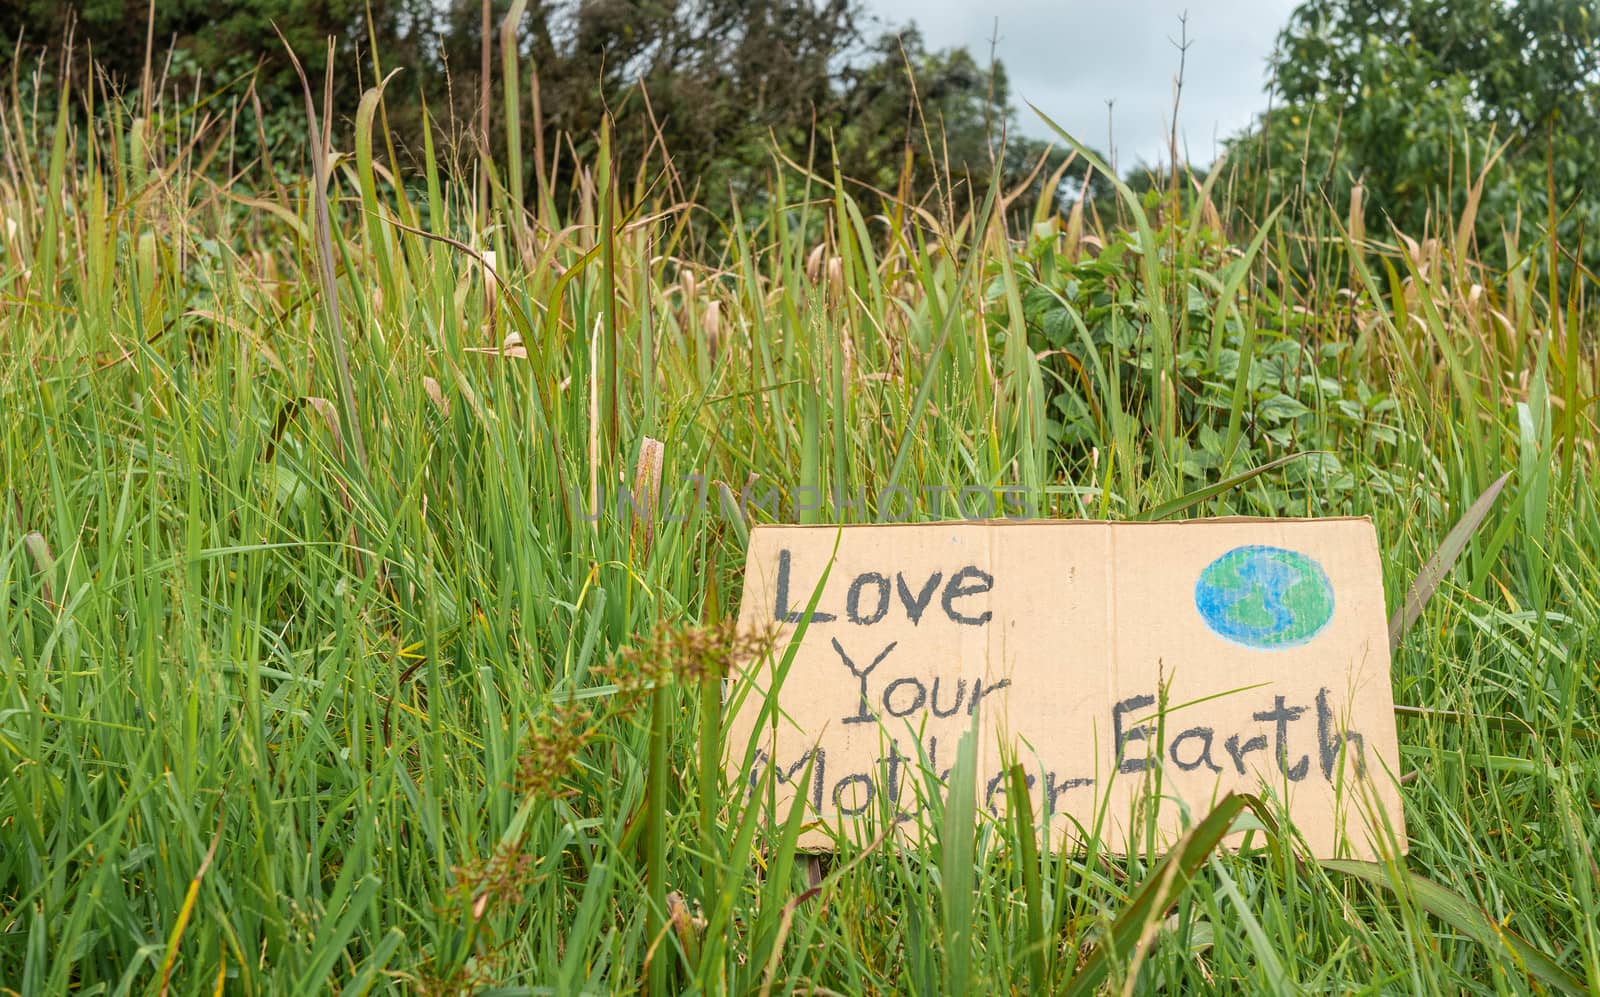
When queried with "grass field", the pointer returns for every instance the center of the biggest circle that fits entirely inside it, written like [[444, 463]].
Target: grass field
[[317, 671]]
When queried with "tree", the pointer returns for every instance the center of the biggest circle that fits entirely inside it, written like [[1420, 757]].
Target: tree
[[708, 79], [227, 47], [211, 36], [902, 107], [949, 123], [714, 84], [1402, 95]]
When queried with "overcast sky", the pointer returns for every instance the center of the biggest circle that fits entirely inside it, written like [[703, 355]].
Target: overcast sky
[[1070, 56]]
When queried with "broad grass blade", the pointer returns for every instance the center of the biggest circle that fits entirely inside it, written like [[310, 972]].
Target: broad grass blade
[[1463, 915], [1441, 562], [1194, 498], [1165, 884], [957, 853], [1020, 805]]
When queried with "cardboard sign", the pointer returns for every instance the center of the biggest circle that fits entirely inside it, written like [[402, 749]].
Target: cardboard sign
[[1124, 665]]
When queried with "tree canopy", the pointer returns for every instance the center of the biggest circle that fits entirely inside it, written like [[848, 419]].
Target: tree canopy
[[1410, 98], [717, 84]]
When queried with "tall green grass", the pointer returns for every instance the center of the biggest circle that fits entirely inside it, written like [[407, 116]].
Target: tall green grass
[[324, 680]]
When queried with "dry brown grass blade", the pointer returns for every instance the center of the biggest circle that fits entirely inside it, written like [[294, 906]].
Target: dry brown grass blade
[[1008, 198], [1469, 214], [188, 908], [711, 327], [1074, 234], [1046, 208], [436, 395], [510, 348], [145, 95], [539, 170], [686, 925], [1356, 228], [290, 408], [43, 562], [1208, 207], [647, 492]]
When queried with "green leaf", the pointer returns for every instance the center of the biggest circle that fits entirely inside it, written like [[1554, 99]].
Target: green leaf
[[1281, 407]]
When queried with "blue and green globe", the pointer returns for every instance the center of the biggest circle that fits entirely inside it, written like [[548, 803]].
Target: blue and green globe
[[1264, 597]]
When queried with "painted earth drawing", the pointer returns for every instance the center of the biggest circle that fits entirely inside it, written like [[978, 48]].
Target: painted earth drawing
[[1264, 597]]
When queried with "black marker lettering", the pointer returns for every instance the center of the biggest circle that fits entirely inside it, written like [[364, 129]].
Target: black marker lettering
[[785, 778], [863, 714], [1204, 736], [891, 781], [781, 611], [1120, 737], [933, 759], [1282, 716], [998, 785], [961, 694], [852, 599], [817, 779], [1257, 743], [839, 790], [959, 588], [979, 691], [915, 605], [1328, 743], [1053, 788], [919, 696], [755, 770]]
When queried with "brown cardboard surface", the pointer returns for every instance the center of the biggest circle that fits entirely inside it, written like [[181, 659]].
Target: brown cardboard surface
[[1264, 639]]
